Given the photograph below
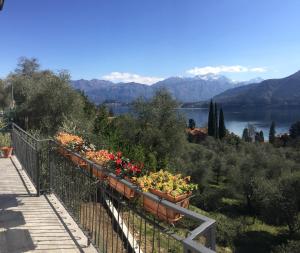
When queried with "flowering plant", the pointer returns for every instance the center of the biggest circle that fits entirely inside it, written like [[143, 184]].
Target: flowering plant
[[87, 147], [101, 157], [124, 168], [70, 141], [164, 181]]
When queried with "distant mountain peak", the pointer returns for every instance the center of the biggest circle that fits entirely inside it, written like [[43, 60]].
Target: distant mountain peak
[[268, 93], [253, 80], [295, 75], [212, 77]]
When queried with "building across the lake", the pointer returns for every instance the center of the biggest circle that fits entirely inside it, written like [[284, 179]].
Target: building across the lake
[[197, 134]]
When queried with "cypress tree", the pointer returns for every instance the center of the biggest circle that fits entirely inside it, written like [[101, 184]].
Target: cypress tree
[[295, 130], [246, 136], [216, 128], [272, 133], [261, 135], [211, 119], [222, 128]]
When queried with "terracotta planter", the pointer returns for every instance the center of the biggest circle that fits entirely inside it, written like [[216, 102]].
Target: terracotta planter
[[63, 152], [7, 152], [77, 160], [162, 212], [98, 173], [121, 188]]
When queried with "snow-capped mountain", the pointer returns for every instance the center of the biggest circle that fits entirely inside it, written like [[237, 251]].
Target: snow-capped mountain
[[184, 89]]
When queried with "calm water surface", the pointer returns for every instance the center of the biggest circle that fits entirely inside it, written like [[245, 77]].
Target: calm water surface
[[236, 120]]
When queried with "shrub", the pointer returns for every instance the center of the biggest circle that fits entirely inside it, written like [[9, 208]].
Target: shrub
[[289, 247], [227, 230], [5, 140], [209, 199]]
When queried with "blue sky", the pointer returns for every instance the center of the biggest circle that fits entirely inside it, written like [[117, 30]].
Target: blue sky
[[145, 40]]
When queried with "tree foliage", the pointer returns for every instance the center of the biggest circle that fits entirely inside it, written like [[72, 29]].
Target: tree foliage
[[295, 130], [45, 99], [192, 124], [211, 119], [222, 128], [272, 133]]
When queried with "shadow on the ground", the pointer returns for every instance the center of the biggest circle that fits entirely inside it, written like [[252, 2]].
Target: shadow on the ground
[[9, 200], [13, 239], [257, 241], [16, 240], [11, 219]]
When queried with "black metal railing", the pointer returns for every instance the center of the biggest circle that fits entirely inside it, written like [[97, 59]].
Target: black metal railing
[[32, 155], [115, 224], [112, 223]]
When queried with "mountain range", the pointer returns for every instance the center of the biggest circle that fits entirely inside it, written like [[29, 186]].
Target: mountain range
[[184, 89], [269, 93]]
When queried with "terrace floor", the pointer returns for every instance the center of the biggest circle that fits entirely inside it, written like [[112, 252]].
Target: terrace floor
[[34, 224]]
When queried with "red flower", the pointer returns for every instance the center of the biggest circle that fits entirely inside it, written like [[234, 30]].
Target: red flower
[[119, 154], [118, 161], [118, 171], [111, 157]]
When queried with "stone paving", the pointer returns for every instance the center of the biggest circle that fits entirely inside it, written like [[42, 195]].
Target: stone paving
[[34, 224]]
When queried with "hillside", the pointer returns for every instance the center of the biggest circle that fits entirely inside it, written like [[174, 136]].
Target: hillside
[[268, 93], [100, 91]]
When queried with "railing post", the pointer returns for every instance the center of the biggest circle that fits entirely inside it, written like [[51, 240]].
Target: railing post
[[211, 237], [49, 166], [38, 174]]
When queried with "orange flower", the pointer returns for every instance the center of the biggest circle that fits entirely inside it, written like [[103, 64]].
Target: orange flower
[[65, 138], [100, 156]]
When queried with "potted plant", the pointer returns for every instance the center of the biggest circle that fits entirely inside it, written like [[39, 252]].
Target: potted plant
[[74, 143], [100, 157], [174, 188], [5, 145], [123, 169]]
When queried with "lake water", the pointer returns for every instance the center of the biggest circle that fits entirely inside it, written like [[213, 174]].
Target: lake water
[[236, 120]]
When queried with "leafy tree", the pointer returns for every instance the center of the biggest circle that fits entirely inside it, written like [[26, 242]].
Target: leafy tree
[[251, 131], [289, 247], [44, 99], [156, 127], [261, 135], [295, 130], [27, 67], [246, 137], [211, 120], [287, 202], [101, 124], [222, 128], [217, 169], [192, 124], [89, 108], [4, 97], [272, 133]]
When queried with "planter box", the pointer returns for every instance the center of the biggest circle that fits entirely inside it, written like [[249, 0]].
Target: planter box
[[160, 211], [77, 160], [7, 152], [121, 188], [63, 152], [98, 173]]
